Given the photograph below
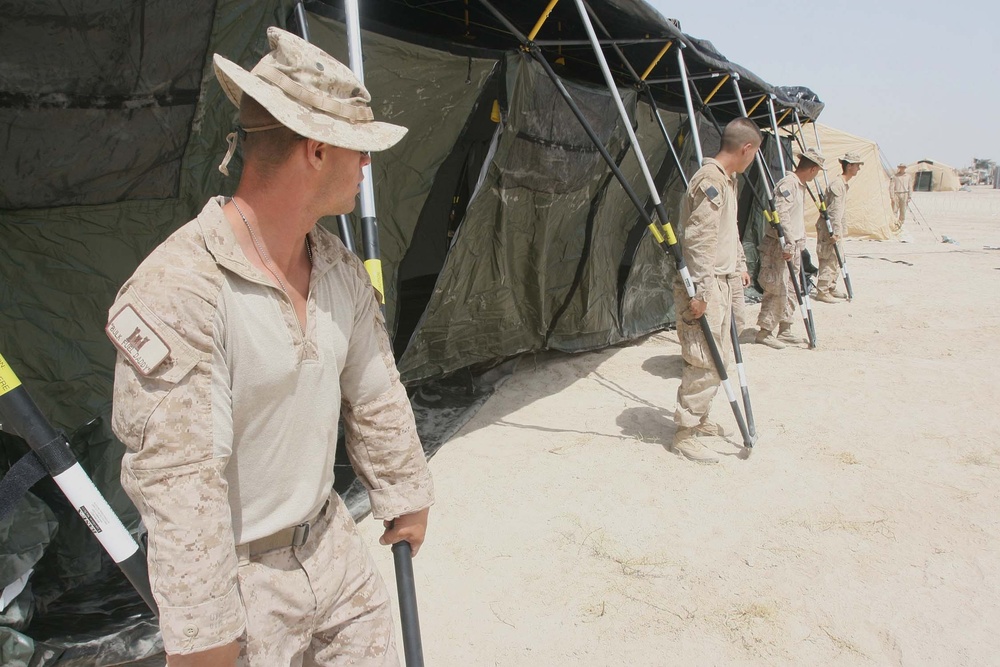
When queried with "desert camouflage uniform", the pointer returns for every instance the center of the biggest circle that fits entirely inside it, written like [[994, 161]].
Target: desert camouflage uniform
[[709, 240], [901, 188], [736, 288], [779, 303], [229, 412], [836, 204]]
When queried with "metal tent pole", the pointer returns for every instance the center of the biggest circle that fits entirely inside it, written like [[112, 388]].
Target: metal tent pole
[[690, 104], [748, 440]]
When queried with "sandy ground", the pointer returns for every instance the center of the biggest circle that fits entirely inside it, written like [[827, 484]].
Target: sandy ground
[[863, 529]]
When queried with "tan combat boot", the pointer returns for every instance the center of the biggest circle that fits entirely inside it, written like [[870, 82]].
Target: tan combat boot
[[710, 428], [764, 337], [686, 444], [837, 294], [826, 297], [785, 335]]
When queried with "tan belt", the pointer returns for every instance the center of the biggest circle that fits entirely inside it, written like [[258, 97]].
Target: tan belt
[[293, 536]]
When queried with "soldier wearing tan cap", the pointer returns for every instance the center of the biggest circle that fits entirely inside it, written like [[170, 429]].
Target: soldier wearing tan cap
[[710, 241], [251, 331], [901, 192], [777, 308], [836, 205]]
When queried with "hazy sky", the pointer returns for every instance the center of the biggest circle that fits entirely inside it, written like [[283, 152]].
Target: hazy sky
[[920, 78]]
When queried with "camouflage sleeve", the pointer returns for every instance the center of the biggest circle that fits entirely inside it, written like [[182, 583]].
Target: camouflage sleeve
[[701, 235], [835, 205], [784, 204], [173, 470], [381, 434]]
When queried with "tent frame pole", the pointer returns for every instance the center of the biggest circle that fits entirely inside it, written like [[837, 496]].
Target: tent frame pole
[[656, 60], [748, 440], [777, 137], [690, 104], [542, 19], [343, 222]]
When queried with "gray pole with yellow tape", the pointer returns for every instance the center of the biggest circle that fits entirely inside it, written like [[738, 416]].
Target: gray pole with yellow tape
[[665, 233], [371, 253], [20, 415], [370, 249]]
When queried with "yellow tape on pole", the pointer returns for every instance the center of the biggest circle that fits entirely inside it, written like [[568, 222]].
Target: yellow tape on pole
[[669, 231], [716, 89], [656, 60], [541, 20], [656, 232], [8, 380], [374, 268], [756, 104]]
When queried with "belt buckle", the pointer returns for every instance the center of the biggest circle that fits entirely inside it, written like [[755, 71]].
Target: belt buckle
[[300, 534]]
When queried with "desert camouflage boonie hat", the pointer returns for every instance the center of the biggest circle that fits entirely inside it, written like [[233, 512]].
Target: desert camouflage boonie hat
[[814, 156], [852, 158], [310, 93]]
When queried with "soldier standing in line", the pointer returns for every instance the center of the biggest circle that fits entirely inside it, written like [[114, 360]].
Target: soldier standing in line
[[777, 308], [836, 206], [712, 251]]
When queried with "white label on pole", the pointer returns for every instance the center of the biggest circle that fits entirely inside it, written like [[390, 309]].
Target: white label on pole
[[688, 283], [96, 513], [729, 391], [742, 373]]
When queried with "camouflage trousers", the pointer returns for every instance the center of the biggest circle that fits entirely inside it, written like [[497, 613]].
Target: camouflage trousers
[[739, 301], [901, 200], [829, 268], [323, 603], [700, 380], [779, 303]]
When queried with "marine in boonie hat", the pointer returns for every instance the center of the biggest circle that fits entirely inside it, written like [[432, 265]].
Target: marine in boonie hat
[[852, 158], [309, 92], [814, 156]]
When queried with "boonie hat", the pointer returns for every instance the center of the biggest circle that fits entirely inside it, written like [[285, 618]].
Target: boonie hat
[[852, 158], [813, 156], [309, 92]]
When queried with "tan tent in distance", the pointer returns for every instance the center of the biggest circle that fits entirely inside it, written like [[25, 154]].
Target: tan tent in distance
[[869, 204], [931, 176]]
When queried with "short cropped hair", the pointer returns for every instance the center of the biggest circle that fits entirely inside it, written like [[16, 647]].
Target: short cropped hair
[[267, 149], [738, 133]]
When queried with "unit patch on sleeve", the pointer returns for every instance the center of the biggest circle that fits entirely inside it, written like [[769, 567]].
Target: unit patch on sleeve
[[136, 339]]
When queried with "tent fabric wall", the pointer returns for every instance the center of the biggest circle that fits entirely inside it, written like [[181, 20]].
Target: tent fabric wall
[[943, 177], [869, 203]]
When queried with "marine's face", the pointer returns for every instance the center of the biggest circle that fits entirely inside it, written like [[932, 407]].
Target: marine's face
[[747, 155], [344, 175]]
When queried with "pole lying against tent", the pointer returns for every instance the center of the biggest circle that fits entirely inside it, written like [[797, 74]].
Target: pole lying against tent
[[371, 252], [771, 216], [820, 202], [343, 223], [661, 213], [20, 415]]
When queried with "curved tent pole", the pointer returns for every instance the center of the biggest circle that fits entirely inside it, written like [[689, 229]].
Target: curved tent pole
[[777, 138], [671, 239]]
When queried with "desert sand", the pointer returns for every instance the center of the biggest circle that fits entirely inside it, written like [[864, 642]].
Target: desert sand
[[863, 529]]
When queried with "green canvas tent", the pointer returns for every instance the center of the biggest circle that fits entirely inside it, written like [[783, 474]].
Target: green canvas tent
[[502, 231]]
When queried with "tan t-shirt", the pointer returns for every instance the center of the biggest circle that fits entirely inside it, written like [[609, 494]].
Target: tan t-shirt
[[709, 235]]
